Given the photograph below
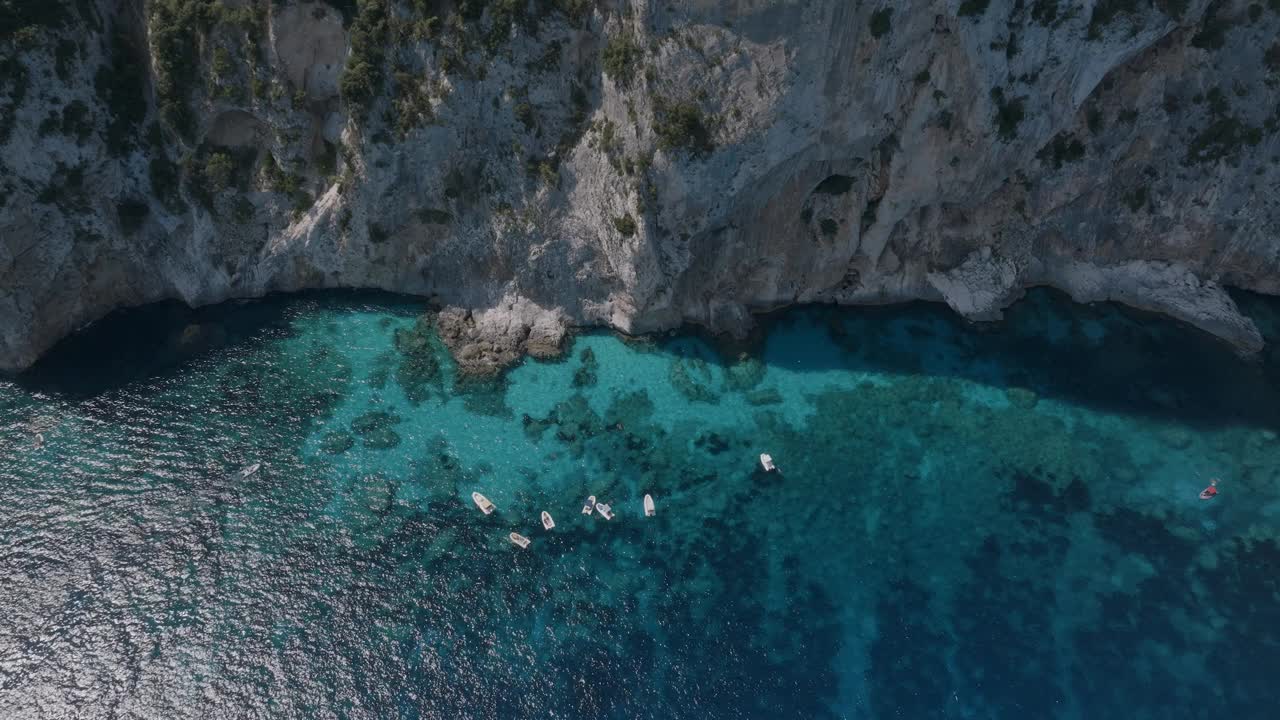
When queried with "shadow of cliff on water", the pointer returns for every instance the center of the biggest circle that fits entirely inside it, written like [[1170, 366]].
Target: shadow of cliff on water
[[1104, 356], [159, 339]]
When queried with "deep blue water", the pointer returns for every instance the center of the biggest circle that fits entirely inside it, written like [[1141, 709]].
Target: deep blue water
[[996, 522]]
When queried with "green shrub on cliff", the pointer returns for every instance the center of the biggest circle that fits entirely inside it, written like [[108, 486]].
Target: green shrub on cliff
[[218, 169], [620, 56], [1064, 148], [363, 76], [626, 225], [175, 29], [681, 126], [1009, 113], [121, 86], [881, 22]]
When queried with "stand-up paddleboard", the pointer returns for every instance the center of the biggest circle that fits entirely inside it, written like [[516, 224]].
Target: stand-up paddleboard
[[649, 510], [547, 522], [250, 470], [590, 506], [518, 539], [766, 462], [483, 503], [605, 511]]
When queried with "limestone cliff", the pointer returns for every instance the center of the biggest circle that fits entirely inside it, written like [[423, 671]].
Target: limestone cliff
[[534, 164]]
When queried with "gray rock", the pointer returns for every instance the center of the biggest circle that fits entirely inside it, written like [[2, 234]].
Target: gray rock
[[1130, 157]]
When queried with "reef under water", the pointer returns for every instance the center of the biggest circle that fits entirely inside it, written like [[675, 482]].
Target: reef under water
[[993, 522]]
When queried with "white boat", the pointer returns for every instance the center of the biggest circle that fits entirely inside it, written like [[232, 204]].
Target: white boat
[[605, 511], [547, 522], [766, 462], [590, 506], [250, 470], [519, 539], [483, 503], [649, 510]]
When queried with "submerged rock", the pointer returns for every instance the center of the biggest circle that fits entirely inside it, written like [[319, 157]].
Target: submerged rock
[[765, 396], [336, 443], [382, 438], [419, 372], [373, 421], [691, 377], [744, 374], [585, 376], [1021, 398]]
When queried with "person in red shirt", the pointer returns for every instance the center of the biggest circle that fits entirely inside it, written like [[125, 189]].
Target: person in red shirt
[[1210, 491]]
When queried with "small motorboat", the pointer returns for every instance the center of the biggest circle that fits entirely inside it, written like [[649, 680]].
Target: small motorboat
[[590, 506], [251, 470], [39, 440], [1210, 492], [483, 503], [766, 462], [547, 522], [518, 539], [605, 511], [649, 510]]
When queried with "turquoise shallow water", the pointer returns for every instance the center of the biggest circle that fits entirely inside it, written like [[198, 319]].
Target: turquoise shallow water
[[968, 523]]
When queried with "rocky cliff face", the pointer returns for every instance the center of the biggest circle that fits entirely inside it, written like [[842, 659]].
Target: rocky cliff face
[[543, 163]]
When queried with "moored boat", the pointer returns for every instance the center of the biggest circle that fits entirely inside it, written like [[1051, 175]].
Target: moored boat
[[518, 539], [605, 511], [649, 509], [766, 462], [250, 470], [483, 503], [590, 506], [547, 522]]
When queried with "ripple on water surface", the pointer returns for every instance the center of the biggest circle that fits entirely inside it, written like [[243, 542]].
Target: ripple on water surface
[[995, 523]]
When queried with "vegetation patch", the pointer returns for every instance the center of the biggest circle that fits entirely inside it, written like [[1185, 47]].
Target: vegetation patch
[[1223, 138], [412, 104], [26, 21], [1136, 199], [175, 28], [881, 22], [1271, 58], [363, 77], [433, 216], [121, 87], [1212, 34], [621, 56], [1009, 113], [1045, 12], [132, 214], [626, 225], [1064, 148], [972, 8], [681, 125], [14, 83], [164, 181]]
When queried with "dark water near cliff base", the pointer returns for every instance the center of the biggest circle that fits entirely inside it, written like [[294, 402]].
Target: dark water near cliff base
[[968, 524]]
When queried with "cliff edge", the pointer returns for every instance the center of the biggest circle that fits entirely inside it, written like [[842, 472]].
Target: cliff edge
[[536, 164]]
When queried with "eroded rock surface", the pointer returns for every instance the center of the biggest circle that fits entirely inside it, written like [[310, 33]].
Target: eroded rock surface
[[635, 164]]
